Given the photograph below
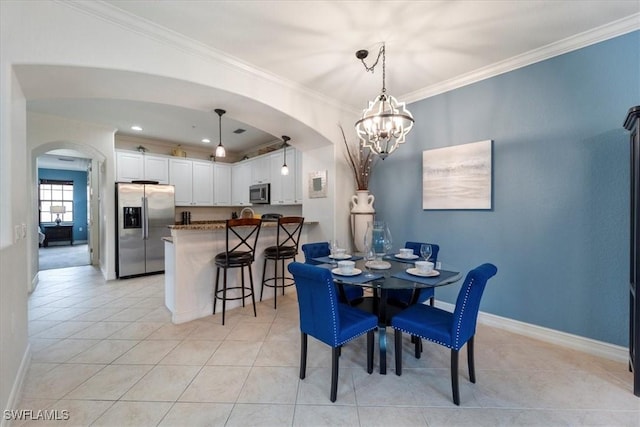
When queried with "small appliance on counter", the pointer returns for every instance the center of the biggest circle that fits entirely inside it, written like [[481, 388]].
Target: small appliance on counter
[[186, 218], [271, 217]]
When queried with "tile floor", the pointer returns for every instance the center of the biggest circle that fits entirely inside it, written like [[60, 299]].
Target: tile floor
[[107, 353]]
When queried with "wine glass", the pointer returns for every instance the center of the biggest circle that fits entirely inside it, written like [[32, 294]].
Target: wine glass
[[369, 257], [333, 245], [426, 251]]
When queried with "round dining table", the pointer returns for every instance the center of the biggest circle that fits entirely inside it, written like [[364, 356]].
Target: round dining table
[[381, 275]]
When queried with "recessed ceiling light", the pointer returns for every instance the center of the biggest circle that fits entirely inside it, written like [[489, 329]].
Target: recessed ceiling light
[[136, 128], [206, 140]]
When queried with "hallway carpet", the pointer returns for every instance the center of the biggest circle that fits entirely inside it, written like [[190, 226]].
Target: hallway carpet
[[63, 256]]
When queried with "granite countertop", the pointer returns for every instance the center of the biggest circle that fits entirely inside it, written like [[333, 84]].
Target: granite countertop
[[218, 225]]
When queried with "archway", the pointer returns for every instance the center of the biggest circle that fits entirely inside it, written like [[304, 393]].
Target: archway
[[95, 182]]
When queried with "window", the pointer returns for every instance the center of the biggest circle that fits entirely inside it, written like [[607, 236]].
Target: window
[[55, 193]]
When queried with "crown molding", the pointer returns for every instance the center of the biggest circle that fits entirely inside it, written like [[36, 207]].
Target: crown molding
[[596, 35], [145, 28]]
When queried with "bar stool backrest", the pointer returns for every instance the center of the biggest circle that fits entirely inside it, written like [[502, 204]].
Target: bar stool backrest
[[288, 234], [246, 230]]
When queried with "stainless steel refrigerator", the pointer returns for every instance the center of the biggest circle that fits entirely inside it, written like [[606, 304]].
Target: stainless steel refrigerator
[[144, 211]]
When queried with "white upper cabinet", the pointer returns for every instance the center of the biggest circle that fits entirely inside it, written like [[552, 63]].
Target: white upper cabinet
[[193, 181], [129, 166], [156, 168], [222, 184], [202, 184], [283, 187], [240, 182], [133, 166], [260, 170], [181, 176]]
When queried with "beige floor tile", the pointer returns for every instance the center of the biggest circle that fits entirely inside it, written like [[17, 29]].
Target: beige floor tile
[[173, 332], [270, 385], [162, 383], [133, 414], [97, 314], [315, 388], [191, 353], [147, 352], [99, 330], [63, 329], [104, 352], [249, 331], [110, 383], [57, 382], [326, 415], [136, 331], [63, 350], [74, 413], [382, 416], [197, 414], [235, 353], [129, 314], [261, 415], [278, 353], [220, 384]]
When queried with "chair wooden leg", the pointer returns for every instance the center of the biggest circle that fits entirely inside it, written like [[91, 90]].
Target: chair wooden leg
[[432, 301], [470, 361], [283, 274], [303, 355], [454, 377], [418, 347], [397, 334], [370, 340], [335, 361]]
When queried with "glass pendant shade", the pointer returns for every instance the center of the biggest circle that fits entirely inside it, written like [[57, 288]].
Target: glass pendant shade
[[220, 151], [285, 169]]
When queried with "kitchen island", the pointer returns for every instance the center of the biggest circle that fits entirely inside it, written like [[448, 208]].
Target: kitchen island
[[190, 270]]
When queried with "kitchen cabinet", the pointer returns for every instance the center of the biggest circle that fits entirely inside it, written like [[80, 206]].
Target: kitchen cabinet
[[260, 170], [129, 166], [240, 182], [283, 188], [133, 166], [156, 168], [222, 184], [193, 182]]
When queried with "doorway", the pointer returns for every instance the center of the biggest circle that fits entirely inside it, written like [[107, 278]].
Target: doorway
[[65, 210]]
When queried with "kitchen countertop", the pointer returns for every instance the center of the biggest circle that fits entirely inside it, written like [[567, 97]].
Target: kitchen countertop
[[218, 225]]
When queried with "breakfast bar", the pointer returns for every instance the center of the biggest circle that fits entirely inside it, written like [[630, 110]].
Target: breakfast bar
[[190, 270]]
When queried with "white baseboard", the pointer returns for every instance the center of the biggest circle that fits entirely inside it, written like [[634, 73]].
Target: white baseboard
[[18, 384], [575, 342]]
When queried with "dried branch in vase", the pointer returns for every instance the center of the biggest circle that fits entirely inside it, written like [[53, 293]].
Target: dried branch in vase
[[362, 161]]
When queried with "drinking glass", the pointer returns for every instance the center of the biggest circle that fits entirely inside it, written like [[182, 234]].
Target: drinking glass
[[333, 245], [426, 251]]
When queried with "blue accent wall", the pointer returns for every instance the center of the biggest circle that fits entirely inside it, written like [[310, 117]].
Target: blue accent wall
[[559, 228], [79, 179]]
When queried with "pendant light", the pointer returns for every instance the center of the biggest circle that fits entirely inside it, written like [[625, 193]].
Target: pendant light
[[285, 169], [385, 122], [220, 151]]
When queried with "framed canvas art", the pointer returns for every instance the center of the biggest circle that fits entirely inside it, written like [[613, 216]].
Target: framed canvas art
[[458, 177]]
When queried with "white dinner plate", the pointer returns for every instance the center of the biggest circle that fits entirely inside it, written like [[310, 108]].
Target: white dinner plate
[[355, 272], [378, 265], [412, 256], [343, 256], [415, 272]]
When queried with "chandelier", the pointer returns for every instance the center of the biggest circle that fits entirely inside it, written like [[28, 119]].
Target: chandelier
[[386, 122]]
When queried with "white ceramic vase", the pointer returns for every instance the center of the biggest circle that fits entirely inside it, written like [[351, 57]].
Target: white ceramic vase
[[362, 212]]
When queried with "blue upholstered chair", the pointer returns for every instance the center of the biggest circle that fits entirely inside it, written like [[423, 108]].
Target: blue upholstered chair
[[324, 318], [403, 297], [452, 330], [320, 249]]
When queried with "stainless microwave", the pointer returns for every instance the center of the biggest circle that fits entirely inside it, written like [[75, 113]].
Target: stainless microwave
[[260, 194]]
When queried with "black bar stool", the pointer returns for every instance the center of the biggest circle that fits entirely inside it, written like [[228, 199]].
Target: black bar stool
[[287, 239], [241, 238]]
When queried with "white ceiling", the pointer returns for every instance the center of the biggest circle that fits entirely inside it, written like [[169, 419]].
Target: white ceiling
[[431, 46]]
